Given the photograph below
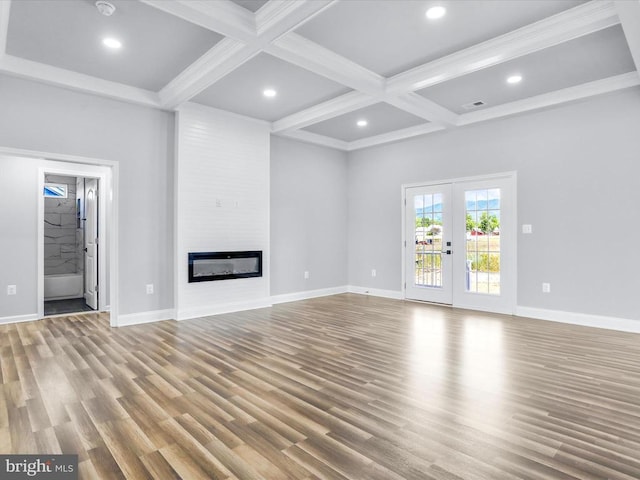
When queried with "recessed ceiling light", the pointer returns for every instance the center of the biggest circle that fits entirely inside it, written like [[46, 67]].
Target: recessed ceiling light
[[514, 79], [362, 123], [269, 92], [436, 12], [112, 43]]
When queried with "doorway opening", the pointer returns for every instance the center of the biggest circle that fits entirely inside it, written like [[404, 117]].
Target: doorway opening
[[87, 222], [459, 243], [71, 267]]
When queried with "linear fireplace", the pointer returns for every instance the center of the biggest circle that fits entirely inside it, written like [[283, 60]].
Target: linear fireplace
[[209, 266]]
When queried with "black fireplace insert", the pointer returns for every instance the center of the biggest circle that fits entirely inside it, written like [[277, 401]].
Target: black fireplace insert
[[210, 266]]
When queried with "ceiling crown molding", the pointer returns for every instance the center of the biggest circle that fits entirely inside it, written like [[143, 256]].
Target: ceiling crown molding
[[77, 81], [310, 137]]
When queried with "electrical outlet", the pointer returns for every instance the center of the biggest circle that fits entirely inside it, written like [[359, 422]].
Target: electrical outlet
[[306, 275], [11, 290], [546, 288], [373, 272], [150, 289], [527, 228], [218, 202]]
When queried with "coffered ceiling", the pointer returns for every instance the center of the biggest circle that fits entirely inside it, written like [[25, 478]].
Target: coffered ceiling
[[342, 73]]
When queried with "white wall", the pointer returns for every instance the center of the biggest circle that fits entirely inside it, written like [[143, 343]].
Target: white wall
[[222, 204], [308, 217], [45, 118], [578, 174]]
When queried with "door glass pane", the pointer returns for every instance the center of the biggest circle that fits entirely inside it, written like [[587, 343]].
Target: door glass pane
[[428, 239], [483, 241]]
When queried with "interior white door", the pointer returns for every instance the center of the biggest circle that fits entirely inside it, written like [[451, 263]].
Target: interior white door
[[429, 248], [91, 243]]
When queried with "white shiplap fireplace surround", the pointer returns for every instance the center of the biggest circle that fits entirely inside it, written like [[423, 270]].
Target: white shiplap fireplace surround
[[222, 204]]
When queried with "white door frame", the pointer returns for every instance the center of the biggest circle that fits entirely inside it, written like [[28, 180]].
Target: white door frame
[[510, 175], [107, 171]]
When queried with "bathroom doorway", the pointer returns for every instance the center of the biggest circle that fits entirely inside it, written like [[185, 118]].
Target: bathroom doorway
[[71, 238], [74, 238]]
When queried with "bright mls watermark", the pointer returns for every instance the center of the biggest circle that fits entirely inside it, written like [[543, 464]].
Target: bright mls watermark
[[51, 467]]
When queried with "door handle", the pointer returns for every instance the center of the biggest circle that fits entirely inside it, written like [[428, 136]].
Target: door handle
[[447, 252]]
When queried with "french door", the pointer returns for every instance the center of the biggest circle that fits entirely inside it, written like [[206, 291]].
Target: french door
[[428, 239], [460, 243]]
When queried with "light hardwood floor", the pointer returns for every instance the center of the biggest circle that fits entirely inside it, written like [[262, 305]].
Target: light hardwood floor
[[342, 387]]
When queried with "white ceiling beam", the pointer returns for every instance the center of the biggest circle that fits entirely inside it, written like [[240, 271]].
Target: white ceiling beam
[[323, 111], [5, 8], [423, 108], [221, 16], [20, 67], [576, 22], [306, 54], [316, 139], [222, 59], [551, 99], [629, 13], [395, 136], [279, 17]]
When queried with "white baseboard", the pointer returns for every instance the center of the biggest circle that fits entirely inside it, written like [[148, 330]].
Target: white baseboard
[[19, 318], [586, 320], [205, 311], [145, 317], [376, 292], [597, 321], [294, 297]]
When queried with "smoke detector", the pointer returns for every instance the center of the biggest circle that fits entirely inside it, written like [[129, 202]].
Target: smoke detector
[[105, 8]]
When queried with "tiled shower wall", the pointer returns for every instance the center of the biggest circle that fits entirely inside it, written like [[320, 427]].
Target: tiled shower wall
[[80, 231], [61, 250]]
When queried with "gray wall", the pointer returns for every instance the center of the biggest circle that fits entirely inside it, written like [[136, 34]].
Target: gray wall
[[40, 117], [577, 170], [308, 216], [578, 185], [18, 181]]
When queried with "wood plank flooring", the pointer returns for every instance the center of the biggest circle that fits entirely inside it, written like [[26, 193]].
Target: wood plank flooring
[[341, 387]]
